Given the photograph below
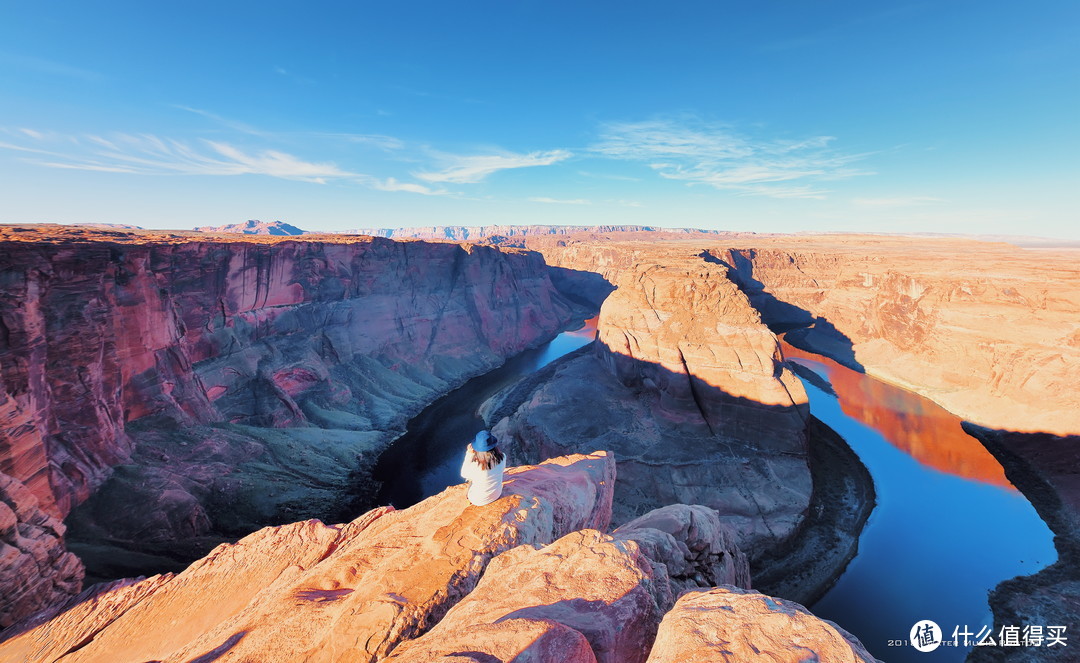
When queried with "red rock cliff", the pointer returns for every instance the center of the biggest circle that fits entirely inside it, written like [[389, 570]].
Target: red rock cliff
[[171, 357]]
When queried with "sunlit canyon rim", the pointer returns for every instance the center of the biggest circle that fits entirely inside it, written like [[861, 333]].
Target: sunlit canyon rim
[[165, 392]]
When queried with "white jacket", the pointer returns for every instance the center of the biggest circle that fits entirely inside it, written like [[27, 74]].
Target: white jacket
[[485, 486]]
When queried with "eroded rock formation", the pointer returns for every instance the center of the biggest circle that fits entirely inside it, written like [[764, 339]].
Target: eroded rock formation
[[313, 592], [201, 389], [988, 330], [689, 388], [35, 569]]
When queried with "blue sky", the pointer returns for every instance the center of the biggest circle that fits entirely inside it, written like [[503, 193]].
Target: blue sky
[[944, 116]]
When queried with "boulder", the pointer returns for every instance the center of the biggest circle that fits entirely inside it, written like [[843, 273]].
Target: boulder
[[732, 624]]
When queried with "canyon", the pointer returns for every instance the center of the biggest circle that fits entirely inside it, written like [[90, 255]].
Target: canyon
[[167, 393], [927, 314]]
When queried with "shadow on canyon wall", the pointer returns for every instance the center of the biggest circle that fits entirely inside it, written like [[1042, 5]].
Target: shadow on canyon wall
[[587, 289], [793, 491], [913, 424], [1043, 467], [800, 327]]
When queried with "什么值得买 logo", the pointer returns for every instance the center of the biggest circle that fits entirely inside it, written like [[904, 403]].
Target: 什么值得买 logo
[[925, 635]]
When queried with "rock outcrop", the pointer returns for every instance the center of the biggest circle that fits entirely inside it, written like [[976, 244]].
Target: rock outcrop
[[733, 624], [203, 389], [1044, 467], [689, 389], [531, 577], [598, 596], [35, 569], [312, 592]]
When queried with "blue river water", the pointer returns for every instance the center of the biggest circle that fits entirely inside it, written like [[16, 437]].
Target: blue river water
[[434, 442], [948, 527]]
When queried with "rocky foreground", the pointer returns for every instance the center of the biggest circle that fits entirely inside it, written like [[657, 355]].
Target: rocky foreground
[[534, 576]]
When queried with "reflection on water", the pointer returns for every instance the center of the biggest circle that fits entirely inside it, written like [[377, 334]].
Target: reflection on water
[[921, 428], [948, 526], [427, 458]]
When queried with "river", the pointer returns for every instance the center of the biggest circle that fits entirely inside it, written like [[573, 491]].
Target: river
[[948, 526], [427, 458]]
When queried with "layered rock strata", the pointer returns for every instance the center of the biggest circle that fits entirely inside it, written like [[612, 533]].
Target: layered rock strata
[[203, 389], [35, 569], [689, 389], [531, 577], [988, 330]]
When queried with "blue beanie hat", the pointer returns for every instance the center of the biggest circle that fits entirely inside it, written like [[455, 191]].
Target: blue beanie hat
[[483, 441]]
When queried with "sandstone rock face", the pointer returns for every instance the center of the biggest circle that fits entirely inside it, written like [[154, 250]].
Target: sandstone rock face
[[69, 623], [312, 592], [986, 330], [687, 333], [732, 624], [1044, 467], [202, 389], [612, 590], [35, 570], [606, 590], [689, 389], [697, 549]]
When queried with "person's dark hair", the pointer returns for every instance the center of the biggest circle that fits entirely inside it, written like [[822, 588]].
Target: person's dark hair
[[488, 459]]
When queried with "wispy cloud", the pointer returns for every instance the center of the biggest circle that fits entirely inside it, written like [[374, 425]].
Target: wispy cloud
[[150, 154], [473, 169], [242, 127], [896, 201], [387, 143], [391, 184], [558, 201], [381, 141], [698, 152], [609, 176], [49, 67]]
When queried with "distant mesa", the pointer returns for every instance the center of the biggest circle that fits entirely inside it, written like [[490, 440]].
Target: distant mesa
[[470, 233], [110, 226], [255, 227]]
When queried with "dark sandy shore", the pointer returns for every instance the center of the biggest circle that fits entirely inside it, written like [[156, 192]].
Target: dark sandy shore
[[829, 537]]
